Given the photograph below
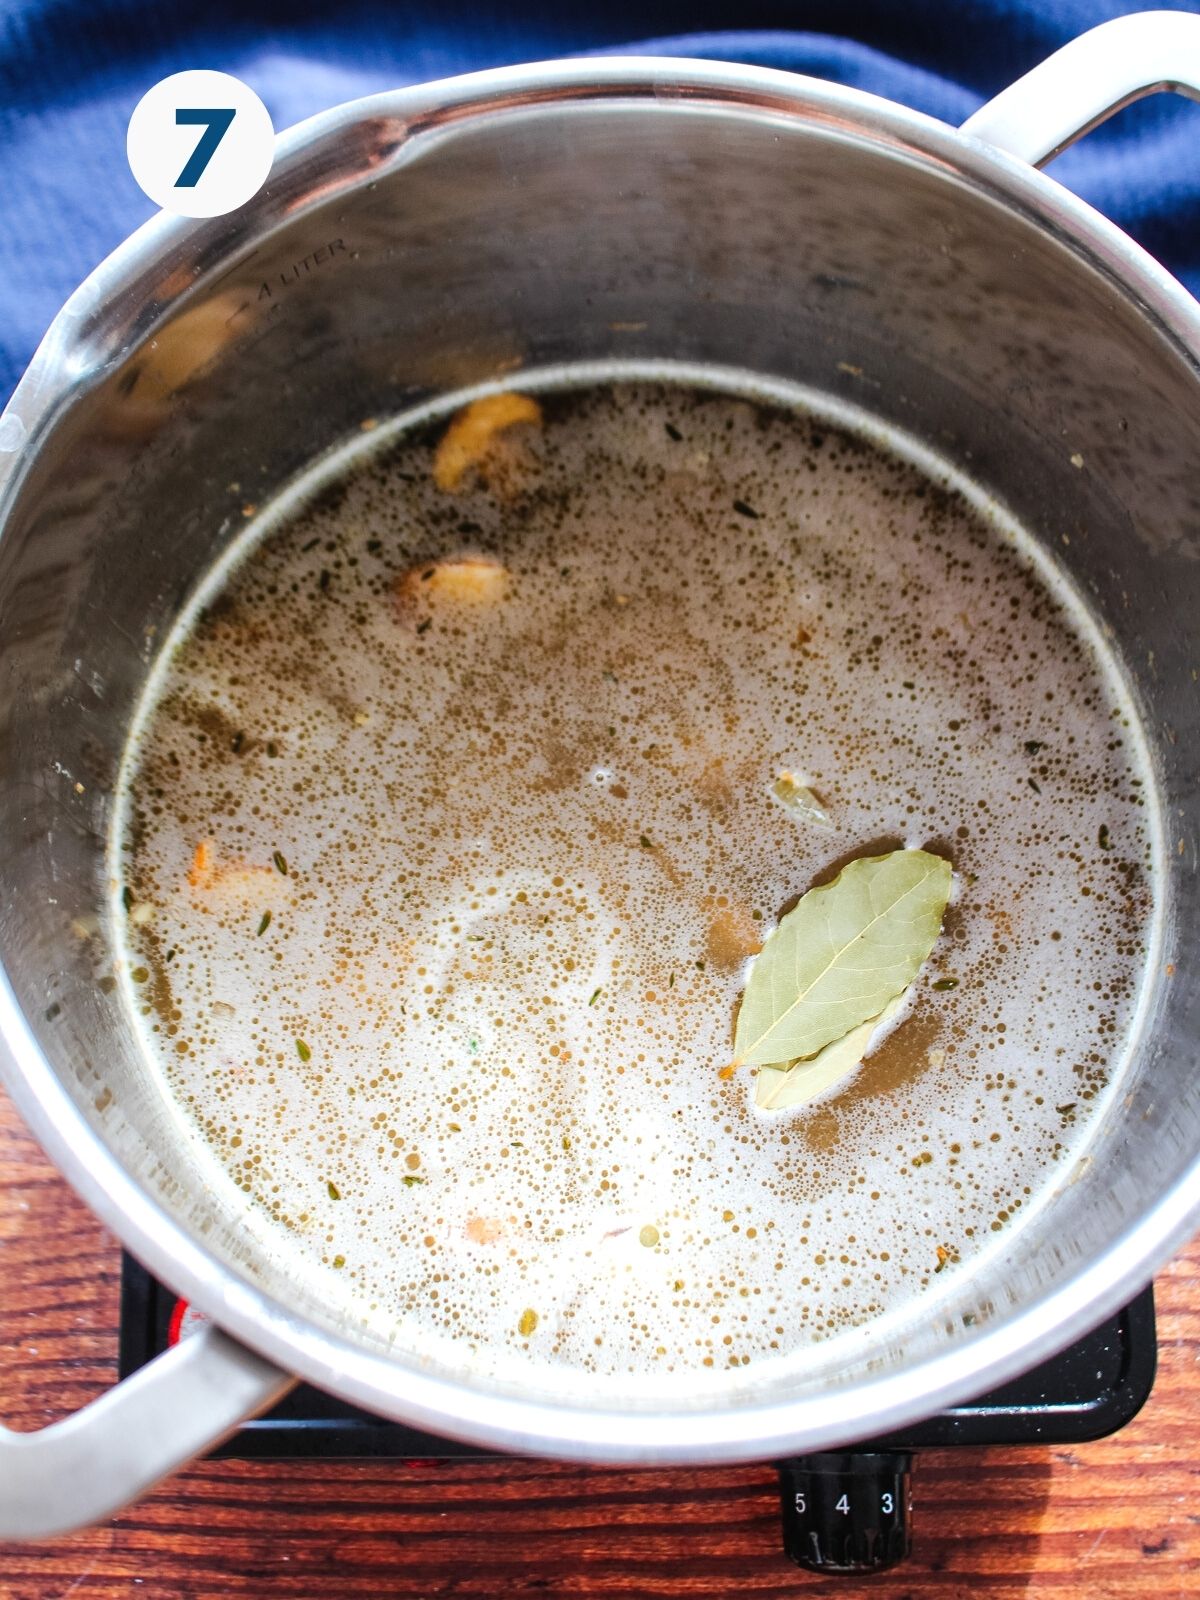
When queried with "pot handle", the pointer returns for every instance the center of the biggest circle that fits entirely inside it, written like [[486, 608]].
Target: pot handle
[[1087, 80], [89, 1465]]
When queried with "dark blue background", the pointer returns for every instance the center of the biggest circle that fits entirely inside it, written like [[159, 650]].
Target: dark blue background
[[71, 72]]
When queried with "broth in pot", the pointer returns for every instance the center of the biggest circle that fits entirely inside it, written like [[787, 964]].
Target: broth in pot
[[465, 795]]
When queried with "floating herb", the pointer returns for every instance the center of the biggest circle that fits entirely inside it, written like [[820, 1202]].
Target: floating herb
[[596, 993], [236, 743], [673, 432], [528, 1322], [777, 1088], [339, 1261], [332, 1189], [840, 956], [472, 938], [1034, 785], [410, 1178], [1032, 746], [424, 627], [944, 984], [127, 898], [303, 1051], [671, 981], [745, 509], [280, 862], [264, 924], [644, 842], [1105, 838]]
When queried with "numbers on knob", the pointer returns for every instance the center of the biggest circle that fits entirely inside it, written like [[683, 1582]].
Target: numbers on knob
[[844, 1512]]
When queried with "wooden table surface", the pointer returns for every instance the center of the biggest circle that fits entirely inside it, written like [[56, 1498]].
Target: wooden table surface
[[1112, 1519]]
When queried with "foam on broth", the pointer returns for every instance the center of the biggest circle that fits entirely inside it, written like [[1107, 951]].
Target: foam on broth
[[463, 1078]]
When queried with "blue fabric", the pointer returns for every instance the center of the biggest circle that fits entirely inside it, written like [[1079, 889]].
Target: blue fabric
[[71, 72]]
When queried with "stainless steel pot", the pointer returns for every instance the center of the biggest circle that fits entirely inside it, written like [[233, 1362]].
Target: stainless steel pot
[[416, 242]]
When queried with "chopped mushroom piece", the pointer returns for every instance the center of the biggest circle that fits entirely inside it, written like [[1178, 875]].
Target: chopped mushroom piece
[[474, 441], [471, 581]]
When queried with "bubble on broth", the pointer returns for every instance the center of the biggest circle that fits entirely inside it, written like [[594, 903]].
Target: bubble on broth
[[448, 993]]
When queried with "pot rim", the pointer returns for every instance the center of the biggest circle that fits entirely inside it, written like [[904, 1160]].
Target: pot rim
[[117, 290]]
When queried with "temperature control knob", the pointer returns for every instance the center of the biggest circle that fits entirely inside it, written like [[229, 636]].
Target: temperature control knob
[[846, 1511]]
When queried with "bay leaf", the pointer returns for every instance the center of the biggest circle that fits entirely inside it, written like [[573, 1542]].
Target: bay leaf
[[776, 1088], [840, 955]]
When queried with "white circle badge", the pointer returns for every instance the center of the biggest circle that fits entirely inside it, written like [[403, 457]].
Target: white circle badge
[[200, 143]]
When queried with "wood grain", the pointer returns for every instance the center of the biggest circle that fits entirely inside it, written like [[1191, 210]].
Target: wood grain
[[1111, 1520]]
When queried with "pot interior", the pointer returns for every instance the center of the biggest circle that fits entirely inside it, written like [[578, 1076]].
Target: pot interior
[[395, 262]]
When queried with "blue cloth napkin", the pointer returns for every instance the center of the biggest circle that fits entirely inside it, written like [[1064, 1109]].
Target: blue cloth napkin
[[71, 72]]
